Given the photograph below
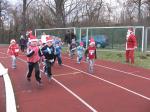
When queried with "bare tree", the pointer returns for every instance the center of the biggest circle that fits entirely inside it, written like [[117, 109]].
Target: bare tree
[[25, 6]]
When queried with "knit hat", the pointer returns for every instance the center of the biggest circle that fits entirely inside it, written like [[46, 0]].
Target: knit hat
[[49, 39], [81, 43], [92, 41], [12, 40]]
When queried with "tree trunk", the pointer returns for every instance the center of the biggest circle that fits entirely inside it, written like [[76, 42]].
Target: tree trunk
[[24, 16], [60, 13]]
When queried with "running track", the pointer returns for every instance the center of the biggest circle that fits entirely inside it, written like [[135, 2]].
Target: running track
[[113, 87]]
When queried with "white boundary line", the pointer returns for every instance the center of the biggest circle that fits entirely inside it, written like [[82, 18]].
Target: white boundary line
[[66, 74], [10, 97], [71, 92], [111, 83], [121, 71], [4, 57]]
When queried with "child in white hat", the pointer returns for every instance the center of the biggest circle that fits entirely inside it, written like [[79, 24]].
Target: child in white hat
[[91, 54], [33, 57], [48, 52], [13, 50]]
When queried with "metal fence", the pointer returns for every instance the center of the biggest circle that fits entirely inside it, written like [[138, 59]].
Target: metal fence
[[116, 36]]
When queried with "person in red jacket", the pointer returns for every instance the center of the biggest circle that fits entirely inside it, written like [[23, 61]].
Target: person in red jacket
[[131, 45], [91, 54], [13, 50]]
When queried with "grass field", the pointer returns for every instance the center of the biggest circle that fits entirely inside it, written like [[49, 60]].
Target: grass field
[[141, 59]]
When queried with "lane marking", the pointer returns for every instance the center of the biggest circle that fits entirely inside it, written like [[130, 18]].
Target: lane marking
[[67, 74], [71, 92], [4, 57], [10, 97], [121, 71], [109, 82]]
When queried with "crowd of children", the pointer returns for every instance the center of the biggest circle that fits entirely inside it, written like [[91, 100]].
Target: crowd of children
[[46, 50], [49, 48]]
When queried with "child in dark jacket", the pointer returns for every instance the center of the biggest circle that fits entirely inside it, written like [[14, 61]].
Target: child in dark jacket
[[73, 47], [58, 52], [48, 52]]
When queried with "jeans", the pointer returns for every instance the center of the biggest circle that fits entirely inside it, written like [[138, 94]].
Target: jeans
[[13, 61]]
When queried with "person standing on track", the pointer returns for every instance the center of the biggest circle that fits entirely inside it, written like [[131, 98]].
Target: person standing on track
[[48, 52], [13, 50], [22, 42], [131, 45], [91, 55], [33, 57]]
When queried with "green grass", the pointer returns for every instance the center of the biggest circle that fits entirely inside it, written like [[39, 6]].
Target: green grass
[[141, 59]]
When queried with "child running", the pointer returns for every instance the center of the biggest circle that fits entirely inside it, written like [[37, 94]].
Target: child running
[[58, 51], [72, 48], [91, 53], [33, 57], [80, 52], [48, 52], [13, 50]]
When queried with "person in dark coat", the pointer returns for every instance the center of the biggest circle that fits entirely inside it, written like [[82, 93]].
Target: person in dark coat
[[22, 43]]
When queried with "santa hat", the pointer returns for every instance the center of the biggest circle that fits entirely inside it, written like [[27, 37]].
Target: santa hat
[[130, 30], [29, 32], [33, 38], [92, 41], [49, 39], [81, 43], [12, 40]]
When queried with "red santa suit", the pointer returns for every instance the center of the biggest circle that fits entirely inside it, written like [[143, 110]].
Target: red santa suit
[[131, 44]]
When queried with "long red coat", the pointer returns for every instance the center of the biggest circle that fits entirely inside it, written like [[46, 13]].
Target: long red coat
[[131, 42]]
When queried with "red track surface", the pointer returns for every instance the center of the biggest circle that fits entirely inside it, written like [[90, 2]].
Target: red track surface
[[107, 90]]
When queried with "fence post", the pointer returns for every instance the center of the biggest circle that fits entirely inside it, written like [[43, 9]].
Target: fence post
[[87, 35], [143, 36]]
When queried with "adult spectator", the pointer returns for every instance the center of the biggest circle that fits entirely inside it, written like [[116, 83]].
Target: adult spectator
[[22, 43], [131, 45]]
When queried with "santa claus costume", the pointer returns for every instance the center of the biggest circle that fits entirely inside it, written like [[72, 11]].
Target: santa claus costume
[[13, 50], [131, 44]]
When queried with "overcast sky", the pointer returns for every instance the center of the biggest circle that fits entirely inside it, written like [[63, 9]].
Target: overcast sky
[[108, 1]]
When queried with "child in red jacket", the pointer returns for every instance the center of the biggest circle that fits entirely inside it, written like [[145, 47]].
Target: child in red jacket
[[13, 50], [91, 54], [33, 57]]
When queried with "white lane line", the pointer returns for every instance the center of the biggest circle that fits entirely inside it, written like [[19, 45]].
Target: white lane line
[[111, 83], [10, 97], [4, 57], [121, 71], [71, 92], [3, 53], [67, 74]]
